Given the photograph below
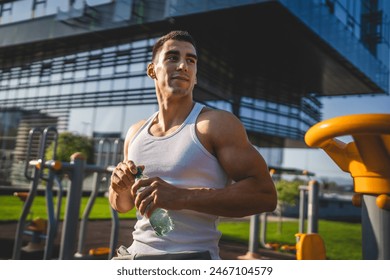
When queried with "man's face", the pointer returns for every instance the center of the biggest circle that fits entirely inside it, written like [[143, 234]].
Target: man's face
[[175, 68]]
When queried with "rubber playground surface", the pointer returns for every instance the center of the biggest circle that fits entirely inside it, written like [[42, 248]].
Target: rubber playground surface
[[98, 235]]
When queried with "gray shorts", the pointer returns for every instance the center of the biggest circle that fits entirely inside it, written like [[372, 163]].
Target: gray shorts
[[123, 254]]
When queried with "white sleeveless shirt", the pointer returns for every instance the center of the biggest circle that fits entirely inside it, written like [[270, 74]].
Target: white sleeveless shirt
[[181, 160]]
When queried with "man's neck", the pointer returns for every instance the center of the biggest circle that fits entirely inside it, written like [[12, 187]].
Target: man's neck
[[171, 116]]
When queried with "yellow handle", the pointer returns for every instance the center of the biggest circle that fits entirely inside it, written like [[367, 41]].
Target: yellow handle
[[356, 124], [367, 158]]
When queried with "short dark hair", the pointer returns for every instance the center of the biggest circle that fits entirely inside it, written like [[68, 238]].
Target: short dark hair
[[178, 35]]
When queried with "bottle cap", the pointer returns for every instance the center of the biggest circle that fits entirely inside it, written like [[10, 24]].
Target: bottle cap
[[139, 173]]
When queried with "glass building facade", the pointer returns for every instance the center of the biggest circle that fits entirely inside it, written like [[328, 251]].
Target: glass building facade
[[84, 63]]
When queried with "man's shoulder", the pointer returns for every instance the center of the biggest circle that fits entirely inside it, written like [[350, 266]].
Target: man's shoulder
[[217, 128], [137, 125], [217, 120], [134, 129], [217, 115]]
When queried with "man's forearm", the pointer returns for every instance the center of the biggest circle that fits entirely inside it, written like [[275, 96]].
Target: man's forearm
[[236, 200], [121, 202]]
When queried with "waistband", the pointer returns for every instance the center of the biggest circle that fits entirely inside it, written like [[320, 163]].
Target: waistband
[[123, 254]]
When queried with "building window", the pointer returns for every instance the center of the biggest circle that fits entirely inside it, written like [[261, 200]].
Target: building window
[[38, 8], [5, 12]]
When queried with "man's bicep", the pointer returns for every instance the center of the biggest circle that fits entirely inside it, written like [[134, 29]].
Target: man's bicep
[[237, 155], [242, 162]]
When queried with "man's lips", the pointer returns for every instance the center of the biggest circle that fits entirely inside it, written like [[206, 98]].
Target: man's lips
[[182, 78]]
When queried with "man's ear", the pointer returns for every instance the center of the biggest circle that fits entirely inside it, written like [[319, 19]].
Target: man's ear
[[150, 71]]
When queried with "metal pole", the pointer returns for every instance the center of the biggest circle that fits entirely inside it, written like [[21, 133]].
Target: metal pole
[[51, 219], [114, 233], [302, 205], [118, 145], [254, 233], [263, 230], [312, 207], [84, 220], [375, 230], [74, 193], [23, 216], [35, 178]]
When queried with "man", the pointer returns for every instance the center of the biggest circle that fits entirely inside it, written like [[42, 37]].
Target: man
[[199, 163]]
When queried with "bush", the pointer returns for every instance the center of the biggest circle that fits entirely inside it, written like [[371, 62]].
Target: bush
[[69, 144], [288, 191]]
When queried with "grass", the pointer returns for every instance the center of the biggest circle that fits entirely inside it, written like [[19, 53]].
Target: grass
[[11, 208], [342, 240]]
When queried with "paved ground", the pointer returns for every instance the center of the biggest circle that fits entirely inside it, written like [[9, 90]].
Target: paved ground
[[98, 235]]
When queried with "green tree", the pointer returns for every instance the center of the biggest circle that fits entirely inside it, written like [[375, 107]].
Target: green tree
[[288, 193], [69, 144]]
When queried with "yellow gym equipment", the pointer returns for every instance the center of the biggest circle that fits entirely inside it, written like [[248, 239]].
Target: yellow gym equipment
[[367, 159]]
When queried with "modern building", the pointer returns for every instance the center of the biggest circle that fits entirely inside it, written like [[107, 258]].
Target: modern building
[[83, 62]]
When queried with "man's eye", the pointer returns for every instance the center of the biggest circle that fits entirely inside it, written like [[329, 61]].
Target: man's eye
[[172, 58]]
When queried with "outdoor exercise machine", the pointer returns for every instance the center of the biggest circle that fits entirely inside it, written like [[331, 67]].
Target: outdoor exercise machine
[[76, 170], [309, 244], [108, 155], [367, 159], [35, 177]]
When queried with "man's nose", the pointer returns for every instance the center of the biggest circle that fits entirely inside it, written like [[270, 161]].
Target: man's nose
[[182, 66]]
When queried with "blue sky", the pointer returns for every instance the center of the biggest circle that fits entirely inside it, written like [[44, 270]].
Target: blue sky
[[316, 160]]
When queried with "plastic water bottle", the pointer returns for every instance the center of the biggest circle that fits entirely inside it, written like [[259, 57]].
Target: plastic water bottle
[[160, 221]]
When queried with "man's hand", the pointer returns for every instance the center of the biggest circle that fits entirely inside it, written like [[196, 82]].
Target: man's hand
[[123, 176], [153, 193]]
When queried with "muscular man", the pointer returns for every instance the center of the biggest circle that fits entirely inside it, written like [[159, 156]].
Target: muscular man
[[199, 162]]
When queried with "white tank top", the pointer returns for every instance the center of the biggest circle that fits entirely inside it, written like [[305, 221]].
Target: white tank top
[[180, 159]]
